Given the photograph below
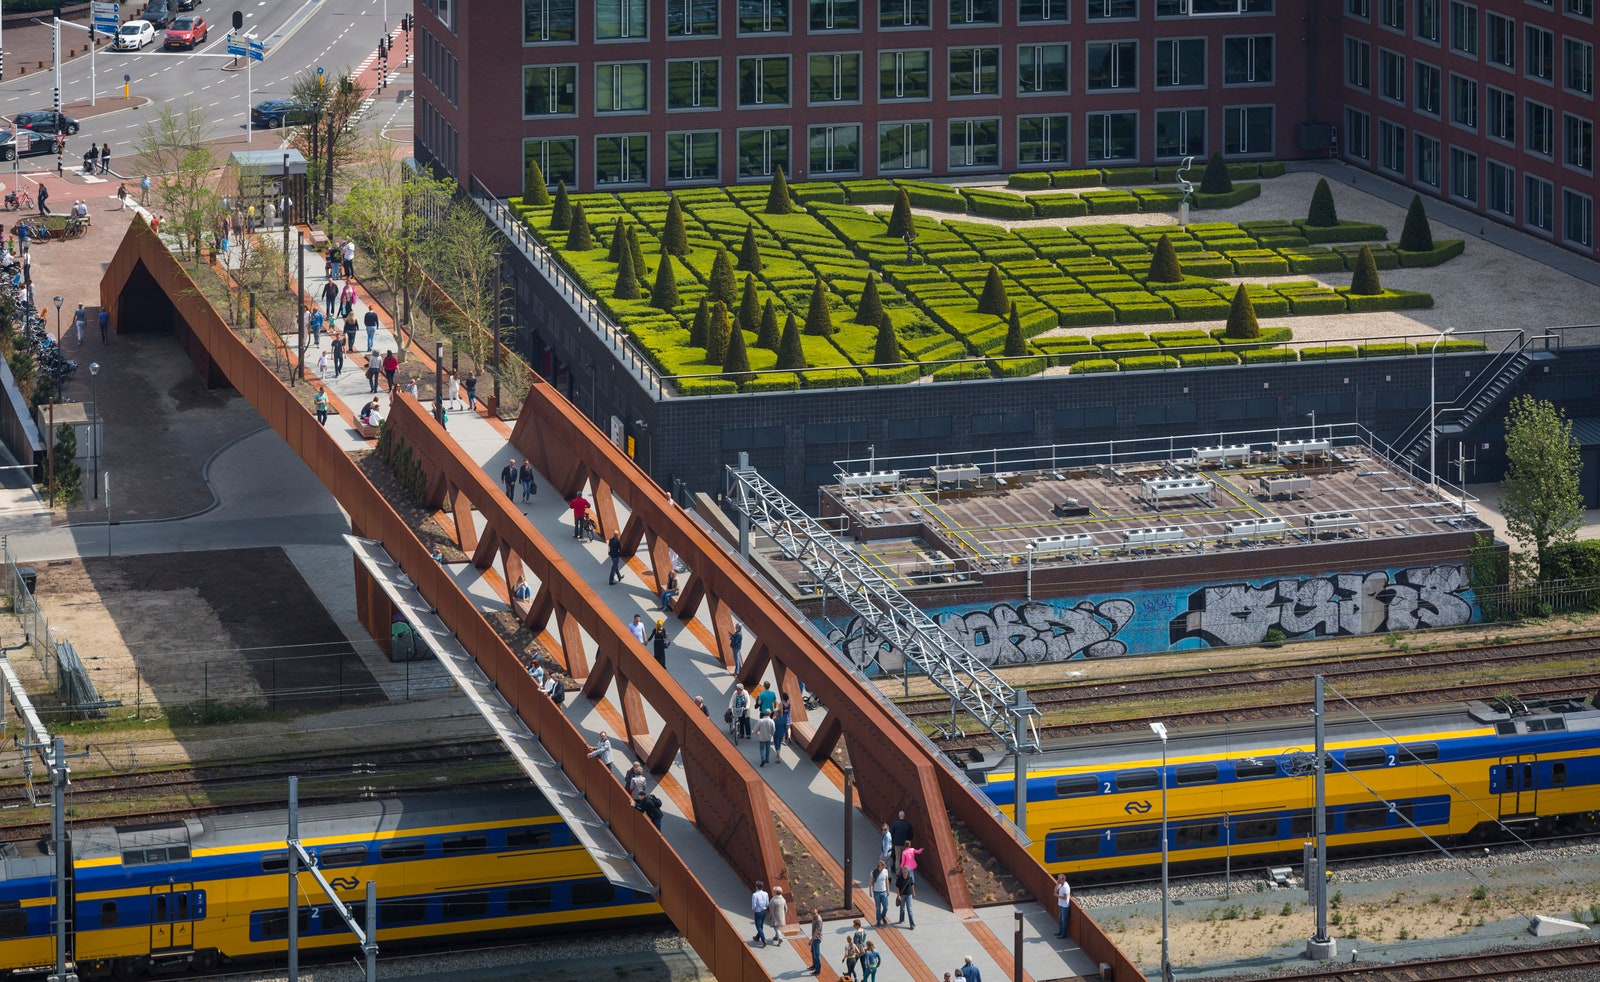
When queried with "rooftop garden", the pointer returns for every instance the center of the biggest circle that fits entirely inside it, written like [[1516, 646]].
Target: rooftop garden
[[754, 288]]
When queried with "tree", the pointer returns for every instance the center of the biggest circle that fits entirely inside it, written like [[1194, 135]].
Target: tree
[[717, 332], [639, 265], [767, 337], [750, 252], [619, 242], [674, 237], [1216, 179], [561, 211], [1242, 323], [664, 294], [1541, 500], [722, 285], [462, 251], [886, 351], [330, 140], [534, 189], [778, 202], [994, 299], [1164, 265], [173, 146], [1322, 213], [1417, 236], [900, 220], [819, 320], [627, 281], [736, 363], [1365, 281], [701, 328], [749, 306], [791, 353], [870, 309], [68, 476], [1016, 342], [579, 238]]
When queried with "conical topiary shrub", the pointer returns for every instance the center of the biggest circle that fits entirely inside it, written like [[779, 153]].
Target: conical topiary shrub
[[579, 238], [887, 349], [1242, 317], [749, 306], [870, 309], [1417, 236], [767, 337], [749, 252], [627, 281], [638, 252], [1164, 265], [736, 363], [664, 294], [722, 285], [1365, 281], [701, 326], [900, 221], [717, 332], [994, 299], [674, 237], [534, 189], [1322, 213], [1016, 344], [1216, 179], [778, 202], [619, 242], [791, 353], [819, 322], [561, 211]]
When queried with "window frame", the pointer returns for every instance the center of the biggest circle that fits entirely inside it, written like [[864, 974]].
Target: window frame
[[978, 71], [715, 140], [1174, 42], [971, 123], [618, 88], [1047, 125], [623, 38], [1474, 180], [628, 180], [900, 73], [1252, 42], [698, 105], [1066, 71], [927, 152], [577, 105], [1115, 44], [1272, 122], [1184, 114], [811, 100]]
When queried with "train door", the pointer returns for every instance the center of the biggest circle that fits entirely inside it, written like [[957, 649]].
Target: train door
[[1512, 780], [172, 916]]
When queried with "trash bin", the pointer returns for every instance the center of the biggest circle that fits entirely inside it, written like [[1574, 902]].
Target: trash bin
[[29, 577]]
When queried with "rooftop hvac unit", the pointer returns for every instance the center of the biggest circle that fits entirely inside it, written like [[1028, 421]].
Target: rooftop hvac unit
[[1164, 533], [1328, 520]]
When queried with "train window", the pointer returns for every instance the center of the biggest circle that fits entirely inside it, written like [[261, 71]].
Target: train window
[[1138, 840], [403, 849], [589, 893], [411, 910], [526, 900], [1196, 836], [1196, 774], [1251, 769], [177, 854], [1365, 757], [108, 913], [1301, 825], [274, 862], [1077, 785], [1418, 752], [1363, 817], [466, 907], [342, 856], [1138, 781], [13, 924], [1558, 774], [1547, 724], [1063, 847], [1247, 829], [332, 923], [275, 923], [461, 845], [534, 838]]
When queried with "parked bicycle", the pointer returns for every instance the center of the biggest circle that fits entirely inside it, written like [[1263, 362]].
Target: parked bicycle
[[19, 198]]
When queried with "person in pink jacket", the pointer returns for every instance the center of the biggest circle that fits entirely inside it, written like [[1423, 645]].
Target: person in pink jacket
[[908, 859]]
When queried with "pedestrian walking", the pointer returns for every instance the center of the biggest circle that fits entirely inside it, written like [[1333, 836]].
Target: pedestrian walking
[[580, 510], [858, 935], [508, 477], [908, 860], [330, 296], [870, 960], [637, 629], [783, 719], [105, 158], [970, 971], [322, 364], [374, 372], [370, 320], [614, 551], [602, 750], [777, 914], [766, 699], [524, 473], [43, 199], [759, 902], [739, 706], [455, 400], [816, 942], [736, 642], [105, 326], [852, 954], [77, 321], [1063, 904], [764, 737], [411, 388], [347, 297], [391, 364], [350, 327], [880, 893], [471, 382], [330, 262], [659, 642], [338, 354], [348, 255], [900, 832], [887, 844], [906, 888], [122, 196], [316, 327], [320, 403]]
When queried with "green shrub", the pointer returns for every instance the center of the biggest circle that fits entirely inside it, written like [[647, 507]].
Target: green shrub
[[1127, 176], [627, 285], [1016, 342], [561, 211], [1070, 354], [1247, 170], [1259, 356], [1417, 235], [965, 371], [1273, 168], [1460, 346], [722, 286], [1075, 178], [817, 192], [1036, 181], [1313, 262], [736, 363], [1205, 359], [701, 386], [831, 378], [1344, 232], [1388, 349], [1443, 251], [871, 192], [749, 251], [1242, 324], [1216, 180], [1110, 202], [1268, 336], [534, 189], [819, 320], [994, 300], [994, 204], [1365, 281], [1328, 353], [935, 197], [772, 382], [778, 202], [886, 349], [1141, 345], [791, 352], [1092, 365], [1258, 262], [768, 336], [870, 309], [1238, 196], [900, 220], [718, 330], [1019, 367], [664, 294], [1387, 300], [1315, 302], [579, 237], [674, 237], [749, 318], [1147, 363], [1322, 213], [700, 329], [1164, 265], [1090, 313], [1058, 205]]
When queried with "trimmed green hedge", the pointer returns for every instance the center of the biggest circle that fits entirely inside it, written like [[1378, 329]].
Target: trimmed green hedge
[[783, 382], [1238, 196], [1458, 345], [1110, 202], [1387, 300], [708, 386], [1147, 363], [1329, 353], [817, 191], [1342, 232], [1058, 205], [1258, 356], [963, 372], [1095, 365], [1075, 178], [1303, 261], [1389, 349], [995, 204], [1020, 367], [1035, 181], [1206, 359], [1127, 176], [1443, 250], [1273, 168]]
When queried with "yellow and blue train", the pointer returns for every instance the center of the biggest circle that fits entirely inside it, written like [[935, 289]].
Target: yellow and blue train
[[196, 894], [1452, 772]]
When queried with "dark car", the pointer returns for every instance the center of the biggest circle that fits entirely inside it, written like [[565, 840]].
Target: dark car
[[44, 121], [33, 144], [274, 113], [188, 4], [158, 13]]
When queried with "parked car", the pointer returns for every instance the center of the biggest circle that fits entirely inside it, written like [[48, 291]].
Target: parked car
[[45, 121], [187, 31], [158, 13], [25, 142], [273, 113], [188, 4], [135, 34]]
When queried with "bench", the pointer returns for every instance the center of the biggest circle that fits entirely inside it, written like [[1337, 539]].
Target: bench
[[318, 239], [367, 432]]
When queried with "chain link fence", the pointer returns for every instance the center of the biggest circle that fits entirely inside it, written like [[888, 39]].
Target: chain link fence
[[58, 659]]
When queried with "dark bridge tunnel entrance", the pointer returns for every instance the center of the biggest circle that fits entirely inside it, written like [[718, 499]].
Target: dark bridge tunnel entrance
[[143, 307]]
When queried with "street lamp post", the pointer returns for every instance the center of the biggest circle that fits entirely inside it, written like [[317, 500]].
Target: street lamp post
[[51, 440], [94, 423], [1030, 572], [1160, 730], [1433, 399]]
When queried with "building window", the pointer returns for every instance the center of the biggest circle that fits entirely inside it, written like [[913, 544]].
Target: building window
[[1042, 139], [1502, 41], [1037, 11], [691, 18], [1427, 89], [1180, 132], [623, 88], [1502, 186], [763, 16], [1357, 63], [1428, 160], [1428, 20], [763, 151], [693, 156], [1502, 113], [904, 146], [974, 143], [903, 13], [904, 75], [1392, 146], [1539, 201], [1113, 9], [1541, 129], [835, 15], [1180, 62], [1464, 174], [549, 20], [974, 71], [836, 78], [1464, 28], [692, 84], [1042, 68], [621, 160], [1463, 101], [984, 12], [1113, 65], [835, 149], [1578, 140], [1580, 8], [1113, 136], [550, 90], [1392, 75], [621, 19], [1393, 13], [1247, 60], [558, 159], [1577, 63], [1357, 134], [764, 81], [1541, 45], [1247, 130], [1577, 217], [1360, 9]]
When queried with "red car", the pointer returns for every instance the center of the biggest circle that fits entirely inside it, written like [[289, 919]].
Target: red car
[[187, 32]]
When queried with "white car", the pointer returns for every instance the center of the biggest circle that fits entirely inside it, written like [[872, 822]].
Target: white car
[[135, 34]]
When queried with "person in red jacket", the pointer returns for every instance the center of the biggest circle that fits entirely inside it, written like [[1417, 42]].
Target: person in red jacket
[[580, 511]]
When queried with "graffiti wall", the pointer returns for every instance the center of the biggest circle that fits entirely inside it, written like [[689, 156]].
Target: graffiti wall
[[1238, 613]]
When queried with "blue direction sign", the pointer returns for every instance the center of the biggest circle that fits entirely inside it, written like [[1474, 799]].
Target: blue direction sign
[[257, 51], [235, 44], [105, 17]]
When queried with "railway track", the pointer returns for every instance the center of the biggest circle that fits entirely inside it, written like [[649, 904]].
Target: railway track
[[1568, 963]]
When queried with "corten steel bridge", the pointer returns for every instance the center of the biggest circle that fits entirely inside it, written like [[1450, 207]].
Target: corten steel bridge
[[146, 289]]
